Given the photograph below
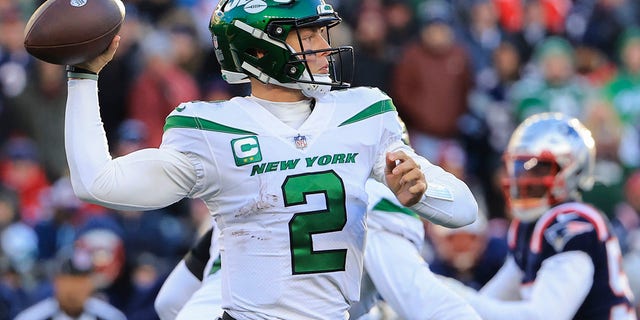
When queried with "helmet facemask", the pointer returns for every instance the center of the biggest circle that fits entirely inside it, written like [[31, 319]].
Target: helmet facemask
[[549, 160], [316, 84], [531, 185]]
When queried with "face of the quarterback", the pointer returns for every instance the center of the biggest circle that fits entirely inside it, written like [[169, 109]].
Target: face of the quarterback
[[312, 39]]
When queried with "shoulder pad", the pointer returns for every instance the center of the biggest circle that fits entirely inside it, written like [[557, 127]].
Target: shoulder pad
[[192, 107], [362, 95]]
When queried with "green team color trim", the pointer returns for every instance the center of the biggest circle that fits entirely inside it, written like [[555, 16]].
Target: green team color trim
[[377, 108], [216, 266], [201, 124], [388, 206]]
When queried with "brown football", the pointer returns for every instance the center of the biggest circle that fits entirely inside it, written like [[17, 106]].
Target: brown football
[[72, 31]]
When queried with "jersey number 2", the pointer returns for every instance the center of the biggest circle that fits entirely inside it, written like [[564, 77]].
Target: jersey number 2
[[303, 225]]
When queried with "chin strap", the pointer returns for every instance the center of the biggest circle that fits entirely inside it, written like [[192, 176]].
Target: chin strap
[[311, 90], [315, 90]]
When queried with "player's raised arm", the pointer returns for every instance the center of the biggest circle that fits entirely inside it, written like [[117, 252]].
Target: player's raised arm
[[146, 179]]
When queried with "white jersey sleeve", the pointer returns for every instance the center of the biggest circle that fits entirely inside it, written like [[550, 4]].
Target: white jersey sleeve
[[406, 283], [505, 284], [448, 201], [560, 287], [163, 176], [393, 262], [206, 302], [176, 290]]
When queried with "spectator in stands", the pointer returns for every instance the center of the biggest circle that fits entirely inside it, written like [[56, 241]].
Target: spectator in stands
[[373, 60], [627, 226], [14, 64], [21, 170], [116, 79], [606, 21], [161, 86], [533, 30], [627, 218], [622, 92], [481, 36], [593, 65], [18, 253], [553, 85], [37, 112], [609, 173], [431, 82], [467, 254], [401, 24], [132, 136], [59, 230], [488, 124]]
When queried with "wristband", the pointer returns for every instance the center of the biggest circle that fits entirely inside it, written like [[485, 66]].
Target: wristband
[[80, 73]]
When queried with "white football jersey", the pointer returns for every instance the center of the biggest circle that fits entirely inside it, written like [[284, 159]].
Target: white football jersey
[[388, 214], [395, 272], [290, 203]]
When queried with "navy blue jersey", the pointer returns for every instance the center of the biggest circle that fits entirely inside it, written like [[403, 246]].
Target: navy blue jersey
[[575, 226]]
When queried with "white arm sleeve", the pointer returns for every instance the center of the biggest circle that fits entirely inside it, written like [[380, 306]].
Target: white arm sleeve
[[176, 290], [505, 284], [406, 283], [447, 201], [143, 180], [560, 288]]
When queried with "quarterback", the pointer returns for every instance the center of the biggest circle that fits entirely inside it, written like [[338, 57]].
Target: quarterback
[[282, 171]]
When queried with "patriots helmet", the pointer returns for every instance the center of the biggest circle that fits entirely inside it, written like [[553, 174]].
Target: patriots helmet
[[249, 41], [550, 158]]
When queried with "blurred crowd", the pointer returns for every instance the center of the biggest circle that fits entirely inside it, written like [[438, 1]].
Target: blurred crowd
[[462, 74]]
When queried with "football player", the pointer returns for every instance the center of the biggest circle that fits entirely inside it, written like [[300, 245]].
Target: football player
[[564, 260], [393, 270], [283, 170]]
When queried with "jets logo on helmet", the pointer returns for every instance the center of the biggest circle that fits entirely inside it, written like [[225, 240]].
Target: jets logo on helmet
[[250, 6], [251, 38]]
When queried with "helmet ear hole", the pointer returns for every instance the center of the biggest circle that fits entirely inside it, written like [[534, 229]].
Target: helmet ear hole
[[292, 70], [276, 30]]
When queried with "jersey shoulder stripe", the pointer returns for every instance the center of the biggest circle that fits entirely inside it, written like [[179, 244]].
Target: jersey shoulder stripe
[[388, 206], [572, 210], [174, 121], [377, 108], [200, 115], [357, 104], [237, 116]]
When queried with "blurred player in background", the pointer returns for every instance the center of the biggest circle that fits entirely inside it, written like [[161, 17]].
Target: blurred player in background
[[394, 272], [74, 286], [283, 170], [564, 261]]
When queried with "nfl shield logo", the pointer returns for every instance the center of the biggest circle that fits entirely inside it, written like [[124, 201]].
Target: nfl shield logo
[[301, 141]]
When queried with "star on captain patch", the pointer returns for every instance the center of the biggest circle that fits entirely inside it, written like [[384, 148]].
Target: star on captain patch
[[301, 141]]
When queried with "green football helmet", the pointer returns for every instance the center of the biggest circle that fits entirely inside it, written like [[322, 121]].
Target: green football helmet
[[242, 28]]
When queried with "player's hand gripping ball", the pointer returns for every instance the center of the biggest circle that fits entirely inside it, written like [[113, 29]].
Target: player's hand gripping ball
[[72, 31]]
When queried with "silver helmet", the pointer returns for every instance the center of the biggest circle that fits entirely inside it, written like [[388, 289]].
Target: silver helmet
[[549, 159]]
